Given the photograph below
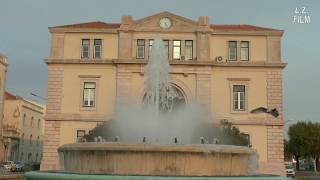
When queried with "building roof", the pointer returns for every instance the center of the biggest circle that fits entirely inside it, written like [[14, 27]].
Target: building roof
[[95, 25], [223, 27], [9, 96], [239, 27]]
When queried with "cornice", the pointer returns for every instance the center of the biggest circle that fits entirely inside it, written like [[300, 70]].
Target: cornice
[[50, 61]]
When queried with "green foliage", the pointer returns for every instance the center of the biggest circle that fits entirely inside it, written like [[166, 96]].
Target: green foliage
[[231, 135], [304, 140]]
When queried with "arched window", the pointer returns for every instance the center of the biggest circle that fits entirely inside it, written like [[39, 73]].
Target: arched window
[[30, 157], [39, 123], [22, 139], [38, 140], [32, 122], [31, 139], [24, 119], [21, 156]]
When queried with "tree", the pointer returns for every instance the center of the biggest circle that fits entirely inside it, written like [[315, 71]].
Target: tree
[[304, 141], [298, 141]]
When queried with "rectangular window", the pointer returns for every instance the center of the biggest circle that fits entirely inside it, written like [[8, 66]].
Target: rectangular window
[[85, 50], [239, 97], [140, 49], [176, 49], [97, 48], [189, 49], [89, 93], [244, 51], [166, 46], [232, 51], [150, 46]]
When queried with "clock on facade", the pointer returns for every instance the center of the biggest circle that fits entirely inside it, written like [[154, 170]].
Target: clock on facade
[[165, 23]]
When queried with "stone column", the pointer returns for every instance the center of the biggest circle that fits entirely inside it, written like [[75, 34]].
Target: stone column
[[203, 39], [275, 149], [125, 38], [52, 127]]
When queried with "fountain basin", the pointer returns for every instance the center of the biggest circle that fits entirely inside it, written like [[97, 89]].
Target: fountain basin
[[158, 159]]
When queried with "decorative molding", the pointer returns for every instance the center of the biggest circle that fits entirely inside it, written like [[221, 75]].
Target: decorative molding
[[173, 62], [238, 79], [89, 76]]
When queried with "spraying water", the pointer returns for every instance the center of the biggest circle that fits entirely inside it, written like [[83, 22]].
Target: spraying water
[[157, 87]]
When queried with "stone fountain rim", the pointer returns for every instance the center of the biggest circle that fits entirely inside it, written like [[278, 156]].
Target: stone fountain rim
[[145, 147]]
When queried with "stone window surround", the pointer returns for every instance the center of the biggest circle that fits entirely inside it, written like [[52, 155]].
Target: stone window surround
[[88, 78], [146, 57], [238, 50], [91, 48], [239, 81]]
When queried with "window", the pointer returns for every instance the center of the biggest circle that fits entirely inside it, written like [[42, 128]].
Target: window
[[30, 139], [22, 138], [244, 50], [32, 122], [140, 49], [21, 156], [189, 49], [150, 46], [38, 140], [239, 97], [176, 49], [30, 157], [166, 46], [80, 135], [97, 48], [39, 123], [85, 50], [89, 91], [232, 51], [24, 119]]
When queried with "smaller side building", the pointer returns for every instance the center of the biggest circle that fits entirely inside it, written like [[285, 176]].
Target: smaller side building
[[3, 70], [23, 129]]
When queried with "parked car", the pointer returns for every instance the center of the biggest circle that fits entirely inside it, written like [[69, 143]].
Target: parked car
[[290, 171], [9, 166], [20, 166]]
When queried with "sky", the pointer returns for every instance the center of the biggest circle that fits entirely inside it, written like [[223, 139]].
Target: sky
[[25, 40]]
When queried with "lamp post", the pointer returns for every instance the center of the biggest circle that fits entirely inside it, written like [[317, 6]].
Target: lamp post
[[38, 96]]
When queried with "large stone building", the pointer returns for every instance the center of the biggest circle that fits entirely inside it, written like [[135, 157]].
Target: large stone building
[[3, 71], [231, 69], [22, 129]]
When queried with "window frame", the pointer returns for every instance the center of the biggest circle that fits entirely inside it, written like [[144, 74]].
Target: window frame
[[166, 43], [236, 50], [239, 81], [236, 103], [83, 94], [137, 48], [248, 49], [82, 80], [82, 51], [173, 47], [94, 48], [185, 46]]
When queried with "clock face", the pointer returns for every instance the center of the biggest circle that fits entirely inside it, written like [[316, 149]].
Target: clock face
[[165, 23]]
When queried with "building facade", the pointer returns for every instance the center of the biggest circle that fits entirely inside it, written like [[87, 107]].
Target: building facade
[[23, 129], [230, 69], [3, 71]]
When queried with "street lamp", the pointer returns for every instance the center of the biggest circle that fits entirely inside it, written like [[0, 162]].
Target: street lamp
[[38, 96]]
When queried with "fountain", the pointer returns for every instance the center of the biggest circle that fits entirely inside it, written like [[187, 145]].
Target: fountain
[[156, 146]]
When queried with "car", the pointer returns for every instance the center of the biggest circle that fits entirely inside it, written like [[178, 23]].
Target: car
[[19, 167], [290, 171], [9, 166]]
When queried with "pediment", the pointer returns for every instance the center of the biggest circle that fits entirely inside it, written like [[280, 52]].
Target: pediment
[[151, 23]]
